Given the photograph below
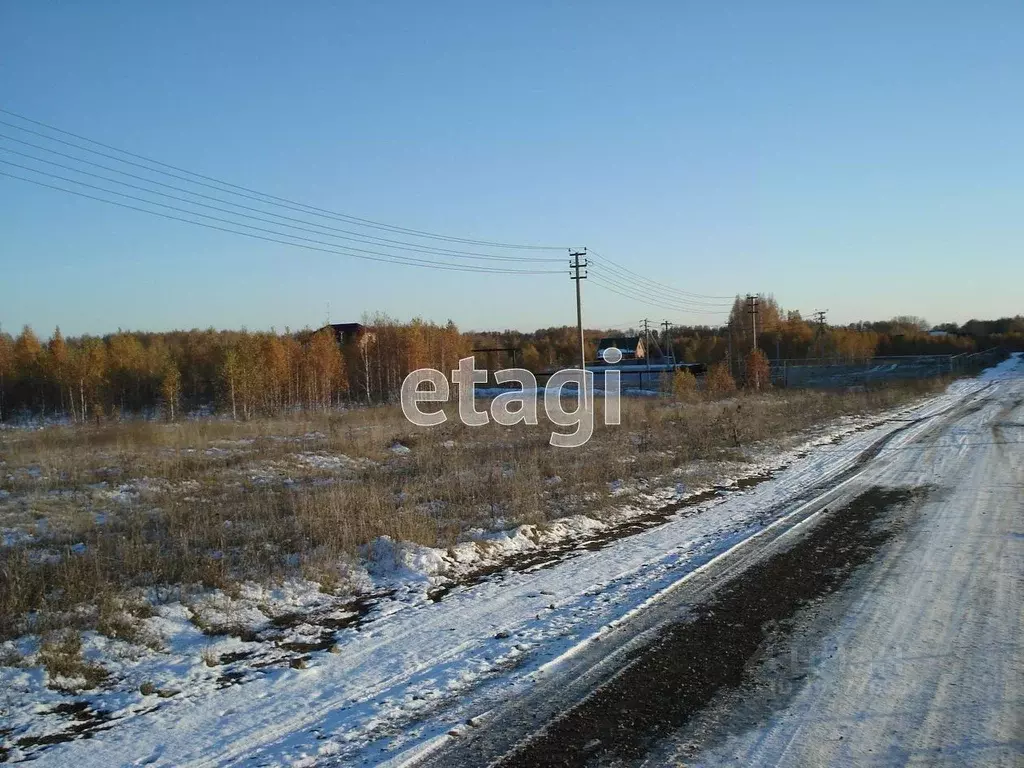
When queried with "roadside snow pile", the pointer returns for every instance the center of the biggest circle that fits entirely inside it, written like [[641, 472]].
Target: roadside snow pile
[[486, 548], [389, 560], [1011, 368]]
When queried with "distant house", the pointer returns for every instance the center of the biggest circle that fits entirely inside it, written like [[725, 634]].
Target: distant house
[[346, 333], [631, 347]]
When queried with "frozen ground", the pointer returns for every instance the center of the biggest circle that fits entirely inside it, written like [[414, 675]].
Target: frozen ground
[[410, 674], [876, 621], [924, 662]]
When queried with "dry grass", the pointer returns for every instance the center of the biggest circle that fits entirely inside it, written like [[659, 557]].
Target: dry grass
[[106, 511], [61, 656]]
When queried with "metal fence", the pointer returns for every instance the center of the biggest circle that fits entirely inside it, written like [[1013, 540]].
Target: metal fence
[[824, 372]]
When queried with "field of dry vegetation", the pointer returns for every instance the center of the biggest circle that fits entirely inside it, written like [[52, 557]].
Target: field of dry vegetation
[[100, 523]]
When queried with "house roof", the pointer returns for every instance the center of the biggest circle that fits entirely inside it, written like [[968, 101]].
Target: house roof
[[619, 341], [347, 327], [624, 343]]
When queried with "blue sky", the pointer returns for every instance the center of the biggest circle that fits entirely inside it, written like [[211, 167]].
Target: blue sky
[[865, 158]]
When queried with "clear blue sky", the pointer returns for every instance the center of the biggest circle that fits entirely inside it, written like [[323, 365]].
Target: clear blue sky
[[863, 157]]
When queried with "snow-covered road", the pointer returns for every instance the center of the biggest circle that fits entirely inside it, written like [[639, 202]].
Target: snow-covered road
[[924, 665], [407, 682]]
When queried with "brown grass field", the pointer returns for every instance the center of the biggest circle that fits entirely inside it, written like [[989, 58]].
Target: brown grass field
[[101, 521]]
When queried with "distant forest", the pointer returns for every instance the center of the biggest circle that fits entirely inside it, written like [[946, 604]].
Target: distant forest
[[245, 373], [780, 335]]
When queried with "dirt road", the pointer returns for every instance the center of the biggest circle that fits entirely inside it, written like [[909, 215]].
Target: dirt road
[[878, 624]]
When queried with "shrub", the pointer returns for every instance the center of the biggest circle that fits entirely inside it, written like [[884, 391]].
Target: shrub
[[719, 381], [758, 371], [61, 655], [684, 384]]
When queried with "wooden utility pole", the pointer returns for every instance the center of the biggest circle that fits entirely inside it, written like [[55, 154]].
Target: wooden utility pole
[[665, 324], [577, 265]]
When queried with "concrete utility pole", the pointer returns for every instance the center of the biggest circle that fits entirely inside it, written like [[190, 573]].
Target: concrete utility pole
[[647, 350], [732, 370], [577, 265], [819, 318], [647, 341], [752, 307]]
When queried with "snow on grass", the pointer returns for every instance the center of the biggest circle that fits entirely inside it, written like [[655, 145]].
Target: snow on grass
[[329, 461], [199, 696]]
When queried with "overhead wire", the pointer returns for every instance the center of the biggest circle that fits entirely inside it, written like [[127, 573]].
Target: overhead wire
[[407, 261], [654, 292], [361, 237], [607, 273], [399, 245], [656, 289], [611, 264], [637, 296], [243, 191], [651, 292]]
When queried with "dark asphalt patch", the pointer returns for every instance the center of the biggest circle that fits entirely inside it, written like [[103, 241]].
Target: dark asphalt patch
[[673, 678]]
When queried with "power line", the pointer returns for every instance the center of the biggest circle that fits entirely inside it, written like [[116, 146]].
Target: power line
[[629, 294], [356, 236], [622, 268], [651, 292], [657, 288], [640, 293], [403, 260], [250, 193], [348, 250], [657, 291], [207, 206]]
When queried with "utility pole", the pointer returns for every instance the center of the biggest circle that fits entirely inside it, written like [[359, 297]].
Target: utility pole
[[669, 353], [732, 370], [752, 307], [819, 318], [577, 265], [647, 341], [647, 349]]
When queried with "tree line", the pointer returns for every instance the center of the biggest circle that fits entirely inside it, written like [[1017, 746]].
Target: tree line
[[780, 335], [239, 372], [250, 373]]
